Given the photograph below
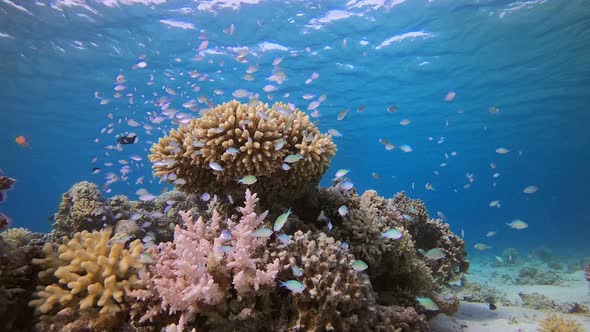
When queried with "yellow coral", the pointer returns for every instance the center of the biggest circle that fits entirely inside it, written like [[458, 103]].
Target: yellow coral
[[17, 236], [555, 323], [245, 140], [90, 271]]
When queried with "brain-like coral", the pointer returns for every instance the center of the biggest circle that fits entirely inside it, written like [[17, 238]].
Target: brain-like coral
[[92, 271], [234, 140]]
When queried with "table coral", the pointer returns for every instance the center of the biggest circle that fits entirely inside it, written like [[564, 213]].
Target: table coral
[[244, 140], [91, 272]]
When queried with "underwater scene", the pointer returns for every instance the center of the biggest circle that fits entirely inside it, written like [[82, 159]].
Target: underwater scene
[[257, 165]]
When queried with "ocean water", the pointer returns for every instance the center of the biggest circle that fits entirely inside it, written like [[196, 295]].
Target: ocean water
[[527, 59]]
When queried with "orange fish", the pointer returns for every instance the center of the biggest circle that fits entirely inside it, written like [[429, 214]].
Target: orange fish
[[21, 140]]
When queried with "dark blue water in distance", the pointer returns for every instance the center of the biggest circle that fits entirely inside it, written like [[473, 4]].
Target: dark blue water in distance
[[528, 59]]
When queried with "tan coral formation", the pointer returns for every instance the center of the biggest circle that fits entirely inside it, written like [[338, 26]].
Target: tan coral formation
[[17, 236], [263, 137], [91, 272], [556, 323]]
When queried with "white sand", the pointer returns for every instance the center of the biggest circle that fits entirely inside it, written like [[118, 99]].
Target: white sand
[[477, 317]]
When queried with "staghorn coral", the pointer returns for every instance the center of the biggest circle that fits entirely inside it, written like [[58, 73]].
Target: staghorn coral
[[92, 273], [17, 236], [261, 136], [81, 209], [206, 273], [556, 323]]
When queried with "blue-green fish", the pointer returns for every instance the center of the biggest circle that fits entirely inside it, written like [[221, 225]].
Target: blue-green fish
[[427, 304], [293, 158], [248, 180], [392, 234], [293, 285], [341, 172], [359, 265], [296, 271], [284, 238], [281, 221], [408, 217], [434, 254], [225, 249], [262, 232]]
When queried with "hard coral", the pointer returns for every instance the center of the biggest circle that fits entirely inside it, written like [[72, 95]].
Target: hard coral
[[244, 140], [91, 271], [17, 236], [207, 273], [6, 183], [556, 323], [82, 209]]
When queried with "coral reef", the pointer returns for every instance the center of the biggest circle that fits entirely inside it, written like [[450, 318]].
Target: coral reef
[[234, 140], [532, 276], [511, 256], [556, 323], [481, 293], [81, 209], [544, 254], [17, 285], [18, 237], [542, 302], [93, 271], [587, 273]]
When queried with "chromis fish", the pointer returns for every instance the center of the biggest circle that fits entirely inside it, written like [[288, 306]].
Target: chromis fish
[[434, 254], [408, 217], [281, 220], [392, 234], [343, 210], [296, 270], [127, 139], [495, 203], [405, 148], [248, 180], [530, 189], [517, 224], [215, 166], [490, 234], [346, 185], [284, 238], [359, 265], [293, 285], [225, 249], [293, 158], [342, 172], [261, 232], [481, 246], [427, 304]]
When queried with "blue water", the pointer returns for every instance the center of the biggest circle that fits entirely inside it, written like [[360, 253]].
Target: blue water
[[529, 59]]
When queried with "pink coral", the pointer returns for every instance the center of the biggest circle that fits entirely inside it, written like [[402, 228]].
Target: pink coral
[[195, 272]]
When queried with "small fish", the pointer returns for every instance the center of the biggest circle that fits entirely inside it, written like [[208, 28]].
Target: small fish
[[144, 195], [344, 245], [481, 246], [441, 215], [293, 158], [499, 259], [296, 271], [495, 203], [285, 166], [22, 141], [392, 234], [405, 122], [279, 144], [293, 285], [342, 172], [434, 254], [95, 170], [284, 238], [376, 175], [334, 133], [405, 148], [281, 220], [248, 180], [359, 265], [225, 235], [205, 197], [343, 210], [429, 186], [342, 114], [450, 96], [502, 151], [225, 249], [361, 109], [517, 224], [490, 234], [127, 139], [389, 146], [392, 109], [215, 166], [346, 185], [530, 189], [408, 217], [262, 232], [427, 304]]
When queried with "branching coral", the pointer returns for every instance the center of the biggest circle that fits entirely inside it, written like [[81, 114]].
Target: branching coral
[[82, 208], [556, 323], [197, 274], [91, 271], [244, 140], [17, 236]]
